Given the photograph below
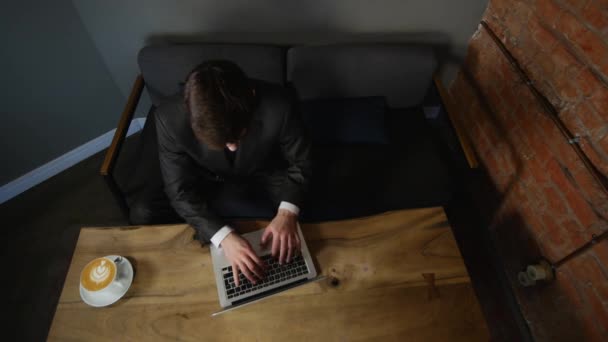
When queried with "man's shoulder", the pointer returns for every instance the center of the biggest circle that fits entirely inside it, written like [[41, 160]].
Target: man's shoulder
[[172, 116], [171, 109]]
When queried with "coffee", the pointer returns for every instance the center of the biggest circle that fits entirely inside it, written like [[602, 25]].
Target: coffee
[[98, 274]]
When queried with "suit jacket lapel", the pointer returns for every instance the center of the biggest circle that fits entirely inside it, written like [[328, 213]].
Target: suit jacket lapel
[[215, 160], [247, 147]]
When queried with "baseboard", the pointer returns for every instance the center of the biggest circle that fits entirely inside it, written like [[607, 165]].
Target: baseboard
[[55, 166]]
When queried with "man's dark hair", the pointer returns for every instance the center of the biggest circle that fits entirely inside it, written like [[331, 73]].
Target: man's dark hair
[[220, 101]]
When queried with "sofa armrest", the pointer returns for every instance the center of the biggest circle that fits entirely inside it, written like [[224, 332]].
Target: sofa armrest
[[123, 126], [465, 143]]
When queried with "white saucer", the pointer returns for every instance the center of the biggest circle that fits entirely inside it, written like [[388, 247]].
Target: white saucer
[[125, 273]]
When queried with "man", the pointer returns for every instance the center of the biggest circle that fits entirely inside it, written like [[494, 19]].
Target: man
[[227, 129]]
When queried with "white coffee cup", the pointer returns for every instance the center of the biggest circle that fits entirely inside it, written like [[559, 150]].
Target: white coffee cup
[[113, 284]]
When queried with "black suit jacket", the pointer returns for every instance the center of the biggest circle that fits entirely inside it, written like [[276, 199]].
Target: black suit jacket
[[274, 140]]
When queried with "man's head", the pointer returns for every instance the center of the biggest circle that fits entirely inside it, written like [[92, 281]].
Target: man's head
[[220, 100]]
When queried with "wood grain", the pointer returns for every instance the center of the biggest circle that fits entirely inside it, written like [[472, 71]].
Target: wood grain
[[378, 261], [123, 127]]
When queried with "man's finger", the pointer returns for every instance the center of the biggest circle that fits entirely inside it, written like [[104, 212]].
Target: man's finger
[[267, 233], [235, 274], [256, 259], [247, 273], [275, 246], [254, 268], [289, 248], [283, 251]]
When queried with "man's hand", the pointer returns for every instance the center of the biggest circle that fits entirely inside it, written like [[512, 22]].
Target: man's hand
[[243, 258], [283, 230]]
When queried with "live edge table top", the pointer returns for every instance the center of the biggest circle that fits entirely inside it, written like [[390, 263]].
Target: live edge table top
[[394, 276]]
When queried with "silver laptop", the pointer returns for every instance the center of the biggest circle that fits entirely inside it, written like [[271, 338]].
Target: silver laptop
[[277, 278]]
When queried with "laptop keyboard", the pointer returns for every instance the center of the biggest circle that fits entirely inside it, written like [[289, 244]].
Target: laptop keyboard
[[275, 273]]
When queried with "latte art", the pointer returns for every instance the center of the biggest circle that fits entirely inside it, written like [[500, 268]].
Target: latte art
[[98, 274]]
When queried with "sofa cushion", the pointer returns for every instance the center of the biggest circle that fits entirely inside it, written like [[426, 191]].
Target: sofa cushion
[[349, 120], [401, 73], [359, 180], [165, 67]]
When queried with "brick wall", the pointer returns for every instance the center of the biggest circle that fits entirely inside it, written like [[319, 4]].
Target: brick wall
[[547, 202]]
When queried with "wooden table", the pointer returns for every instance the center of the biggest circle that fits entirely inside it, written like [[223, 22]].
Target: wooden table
[[379, 285]]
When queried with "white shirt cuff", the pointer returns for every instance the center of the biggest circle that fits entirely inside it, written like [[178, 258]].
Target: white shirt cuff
[[220, 235], [290, 207]]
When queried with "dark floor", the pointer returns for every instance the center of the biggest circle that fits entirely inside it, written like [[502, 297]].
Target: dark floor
[[41, 227], [39, 233]]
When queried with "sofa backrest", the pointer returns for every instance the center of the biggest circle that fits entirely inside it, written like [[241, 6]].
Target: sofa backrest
[[401, 73], [164, 68]]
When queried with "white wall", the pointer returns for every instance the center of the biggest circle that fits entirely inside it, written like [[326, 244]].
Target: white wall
[[55, 90], [120, 28]]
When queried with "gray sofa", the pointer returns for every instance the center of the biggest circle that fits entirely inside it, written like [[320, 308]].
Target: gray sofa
[[349, 180]]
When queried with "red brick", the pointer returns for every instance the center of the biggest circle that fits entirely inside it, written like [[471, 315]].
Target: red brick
[[592, 331], [506, 72], [556, 172], [576, 4], [555, 201], [599, 311], [530, 216], [549, 250], [546, 66], [547, 89], [587, 270], [517, 17], [603, 144], [595, 16], [553, 229], [562, 58], [588, 116], [527, 49], [592, 190], [570, 26], [558, 145], [543, 37], [600, 250], [540, 149], [592, 151], [490, 163], [559, 142], [555, 241], [574, 226], [599, 99], [565, 88], [492, 134], [493, 97], [593, 47], [574, 234], [565, 282], [587, 82], [520, 144], [507, 113], [548, 10], [570, 118], [510, 158], [581, 209], [564, 151], [536, 197], [604, 69], [497, 8], [537, 170]]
